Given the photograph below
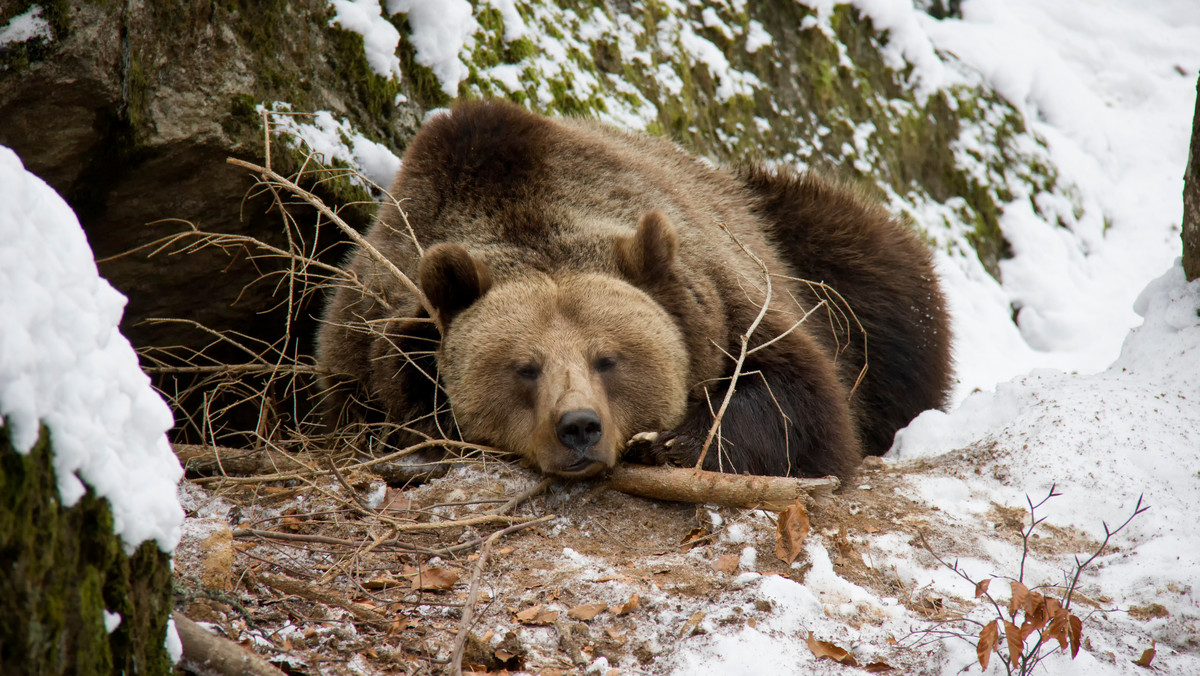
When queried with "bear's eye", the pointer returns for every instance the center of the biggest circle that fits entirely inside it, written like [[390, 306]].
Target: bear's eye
[[605, 364], [528, 371]]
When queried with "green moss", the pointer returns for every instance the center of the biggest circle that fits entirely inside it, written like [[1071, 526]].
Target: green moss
[[376, 93], [820, 94], [423, 86], [63, 567], [518, 50]]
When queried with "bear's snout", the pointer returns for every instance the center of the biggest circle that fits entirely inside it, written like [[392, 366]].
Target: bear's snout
[[579, 430]]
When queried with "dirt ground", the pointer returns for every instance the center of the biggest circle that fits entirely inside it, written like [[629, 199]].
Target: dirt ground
[[604, 575]]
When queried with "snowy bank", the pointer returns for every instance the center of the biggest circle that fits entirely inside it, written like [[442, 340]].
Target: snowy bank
[[64, 364]]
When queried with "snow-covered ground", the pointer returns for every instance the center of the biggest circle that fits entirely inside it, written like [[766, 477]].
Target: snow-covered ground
[[1104, 413]]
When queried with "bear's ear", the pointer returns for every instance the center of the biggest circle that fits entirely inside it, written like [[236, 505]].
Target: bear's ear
[[646, 256], [452, 280]]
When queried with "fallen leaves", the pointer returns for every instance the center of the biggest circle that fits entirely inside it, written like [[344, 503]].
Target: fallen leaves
[[1147, 655], [537, 616], [828, 651], [586, 611], [793, 527], [726, 563], [432, 579], [692, 625], [629, 606]]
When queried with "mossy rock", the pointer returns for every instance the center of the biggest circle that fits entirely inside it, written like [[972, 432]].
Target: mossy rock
[[63, 567]]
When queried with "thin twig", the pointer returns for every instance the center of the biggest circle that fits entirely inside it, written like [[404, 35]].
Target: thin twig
[[468, 616], [350, 232], [745, 343]]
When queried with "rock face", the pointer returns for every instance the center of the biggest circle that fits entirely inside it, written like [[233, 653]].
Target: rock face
[[1191, 200], [63, 568], [130, 111]]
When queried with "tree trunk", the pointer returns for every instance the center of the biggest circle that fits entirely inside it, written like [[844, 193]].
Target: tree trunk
[[61, 568], [1191, 200]]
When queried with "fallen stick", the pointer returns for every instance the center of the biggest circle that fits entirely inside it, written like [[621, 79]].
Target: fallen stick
[[678, 484], [468, 616], [207, 653], [685, 484], [207, 460], [362, 612], [205, 463]]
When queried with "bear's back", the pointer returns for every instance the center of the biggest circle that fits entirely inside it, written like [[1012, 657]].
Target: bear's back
[[528, 193]]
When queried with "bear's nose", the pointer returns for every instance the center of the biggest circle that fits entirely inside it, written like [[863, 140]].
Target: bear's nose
[[579, 430]]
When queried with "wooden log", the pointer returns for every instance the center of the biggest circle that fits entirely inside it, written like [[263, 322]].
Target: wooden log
[[207, 653], [677, 484], [681, 484], [209, 460]]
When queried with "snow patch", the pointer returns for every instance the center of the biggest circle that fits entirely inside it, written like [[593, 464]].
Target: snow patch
[[65, 364], [25, 27], [440, 32], [380, 37]]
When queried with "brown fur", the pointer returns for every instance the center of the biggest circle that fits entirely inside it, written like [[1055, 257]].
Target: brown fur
[[574, 267]]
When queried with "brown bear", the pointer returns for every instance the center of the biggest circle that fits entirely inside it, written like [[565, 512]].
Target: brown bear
[[589, 284]]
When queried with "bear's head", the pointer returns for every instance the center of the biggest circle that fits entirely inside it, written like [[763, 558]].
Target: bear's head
[[561, 369]]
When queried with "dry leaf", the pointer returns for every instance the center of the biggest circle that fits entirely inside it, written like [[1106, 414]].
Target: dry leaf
[[793, 528], [692, 624], [382, 583], [1075, 629], [586, 611], [1019, 593], [726, 563], [1147, 655], [878, 667], [694, 538], [1053, 605], [987, 642], [1035, 608], [435, 578], [629, 606], [872, 529], [1016, 642], [1057, 630], [981, 588], [827, 650], [537, 615], [506, 550], [396, 500]]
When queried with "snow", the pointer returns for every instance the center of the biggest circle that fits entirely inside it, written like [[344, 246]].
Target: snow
[[64, 364], [440, 31], [1076, 394], [1110, 85], [26, 26], [330, 138], [380, 37], [173, 644]]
